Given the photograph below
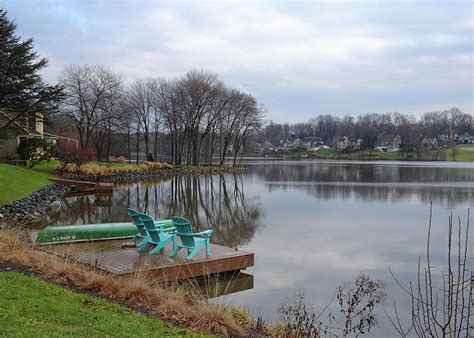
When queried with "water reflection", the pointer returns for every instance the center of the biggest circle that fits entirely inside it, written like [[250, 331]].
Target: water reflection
[[447, 186], [216, 201]]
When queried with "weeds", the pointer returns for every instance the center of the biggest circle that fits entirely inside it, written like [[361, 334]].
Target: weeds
[[443, 307], [356, 300]]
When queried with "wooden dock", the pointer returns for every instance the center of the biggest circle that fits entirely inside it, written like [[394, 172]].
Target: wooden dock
[[99, 187], [110, 257]]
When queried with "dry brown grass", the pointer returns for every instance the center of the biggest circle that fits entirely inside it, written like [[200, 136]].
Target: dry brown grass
[[182, 306], [119, 159], [91, 169]]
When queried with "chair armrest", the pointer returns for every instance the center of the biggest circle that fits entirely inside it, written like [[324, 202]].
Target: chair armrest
[[205, 233], [161, 228]]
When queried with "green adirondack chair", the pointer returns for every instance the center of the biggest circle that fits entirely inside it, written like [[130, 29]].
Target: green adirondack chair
[[156, 236], [142, 233], [193, 242]]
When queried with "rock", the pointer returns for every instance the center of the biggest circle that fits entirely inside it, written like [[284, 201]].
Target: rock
[[36, 214], [54, 206]]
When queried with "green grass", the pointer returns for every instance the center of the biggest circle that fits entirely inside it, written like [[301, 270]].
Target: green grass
[[462, 154], [48, 166], [17, 182], [30, 307]]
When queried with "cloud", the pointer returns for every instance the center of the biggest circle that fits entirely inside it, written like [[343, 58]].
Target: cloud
[[284, 53]]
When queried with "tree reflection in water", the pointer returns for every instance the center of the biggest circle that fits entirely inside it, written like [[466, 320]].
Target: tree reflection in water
[[444, 185], [216, 201]]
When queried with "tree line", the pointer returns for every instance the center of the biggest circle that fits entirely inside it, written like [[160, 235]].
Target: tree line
[[196, 117], [373, 126]]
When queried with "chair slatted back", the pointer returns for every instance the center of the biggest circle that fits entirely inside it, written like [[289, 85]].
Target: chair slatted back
[[184, 230], [150, 227], [135, 215]]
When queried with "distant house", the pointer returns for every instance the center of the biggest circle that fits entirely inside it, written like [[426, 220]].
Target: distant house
[[313, 143], [426, 144], [465, 138], [345, 144], [388, 143], [261, 147], [292, 143], [26, 127]]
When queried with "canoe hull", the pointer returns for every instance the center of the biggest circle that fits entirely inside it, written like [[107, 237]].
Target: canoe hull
[[89, 232]]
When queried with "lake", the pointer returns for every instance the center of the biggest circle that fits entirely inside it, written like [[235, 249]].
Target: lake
[[312, 225]]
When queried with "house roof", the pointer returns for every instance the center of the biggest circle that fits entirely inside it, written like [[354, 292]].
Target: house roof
[[18, 124]]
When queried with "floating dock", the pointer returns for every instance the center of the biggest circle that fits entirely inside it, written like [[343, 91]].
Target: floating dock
[[110, 257]]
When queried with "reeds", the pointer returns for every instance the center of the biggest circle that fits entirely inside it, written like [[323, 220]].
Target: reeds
[[182, 307]]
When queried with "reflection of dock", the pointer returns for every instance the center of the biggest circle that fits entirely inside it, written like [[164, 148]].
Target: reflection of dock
[[212, 287], [110, 257]]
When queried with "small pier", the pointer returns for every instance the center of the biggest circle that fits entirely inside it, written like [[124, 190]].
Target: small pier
[[110, 257], [91, 187]]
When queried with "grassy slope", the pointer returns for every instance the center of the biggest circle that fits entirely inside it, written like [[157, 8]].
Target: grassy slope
[[465, 152], [30, 307], [17, 182]]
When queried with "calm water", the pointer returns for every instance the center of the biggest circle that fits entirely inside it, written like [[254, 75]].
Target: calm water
[[311, 225]]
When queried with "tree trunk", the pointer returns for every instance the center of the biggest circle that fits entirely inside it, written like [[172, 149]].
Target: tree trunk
[[138, 145]]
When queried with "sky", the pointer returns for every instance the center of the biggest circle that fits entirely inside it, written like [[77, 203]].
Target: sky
[[299, 58]]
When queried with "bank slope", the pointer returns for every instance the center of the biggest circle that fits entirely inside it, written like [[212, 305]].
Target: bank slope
[[17, 182]]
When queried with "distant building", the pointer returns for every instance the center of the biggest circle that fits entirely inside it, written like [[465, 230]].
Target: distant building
[[26, 127], [345, 144], [426, 144], [465, 138], [388, 143]]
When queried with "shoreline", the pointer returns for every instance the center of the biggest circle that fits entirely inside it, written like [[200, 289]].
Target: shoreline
[[38, 205], [154, 174]]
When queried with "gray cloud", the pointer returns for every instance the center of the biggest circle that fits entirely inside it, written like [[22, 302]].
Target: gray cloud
[[299, 58]]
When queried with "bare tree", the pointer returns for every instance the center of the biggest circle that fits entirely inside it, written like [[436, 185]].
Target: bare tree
[[87, 89], [108, 118], [140, 99]]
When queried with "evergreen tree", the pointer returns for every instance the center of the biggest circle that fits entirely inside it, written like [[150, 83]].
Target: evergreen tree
[[22, 90]]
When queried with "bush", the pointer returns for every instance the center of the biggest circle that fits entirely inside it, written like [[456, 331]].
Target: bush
[[35, 150], [71, 153]]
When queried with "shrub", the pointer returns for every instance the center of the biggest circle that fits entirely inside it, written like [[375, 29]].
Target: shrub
[[71, 153], [35, 150], [71, 168]]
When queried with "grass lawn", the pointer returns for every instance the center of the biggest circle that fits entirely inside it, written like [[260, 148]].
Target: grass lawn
[[30, 307], [17, 182], [49, 166], [465, 152]]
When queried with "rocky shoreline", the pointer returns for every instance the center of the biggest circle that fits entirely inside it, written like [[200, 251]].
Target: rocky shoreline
[[38, 204]]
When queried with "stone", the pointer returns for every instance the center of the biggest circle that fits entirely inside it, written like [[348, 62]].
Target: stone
[[54, 206]]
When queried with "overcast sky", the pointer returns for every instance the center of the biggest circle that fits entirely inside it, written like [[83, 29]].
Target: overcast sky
[[299, 59]]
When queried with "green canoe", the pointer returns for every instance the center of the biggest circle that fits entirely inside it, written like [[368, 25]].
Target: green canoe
[[89, 232]]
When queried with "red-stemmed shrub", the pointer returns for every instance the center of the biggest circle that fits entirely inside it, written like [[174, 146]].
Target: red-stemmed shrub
[[70, 153]]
